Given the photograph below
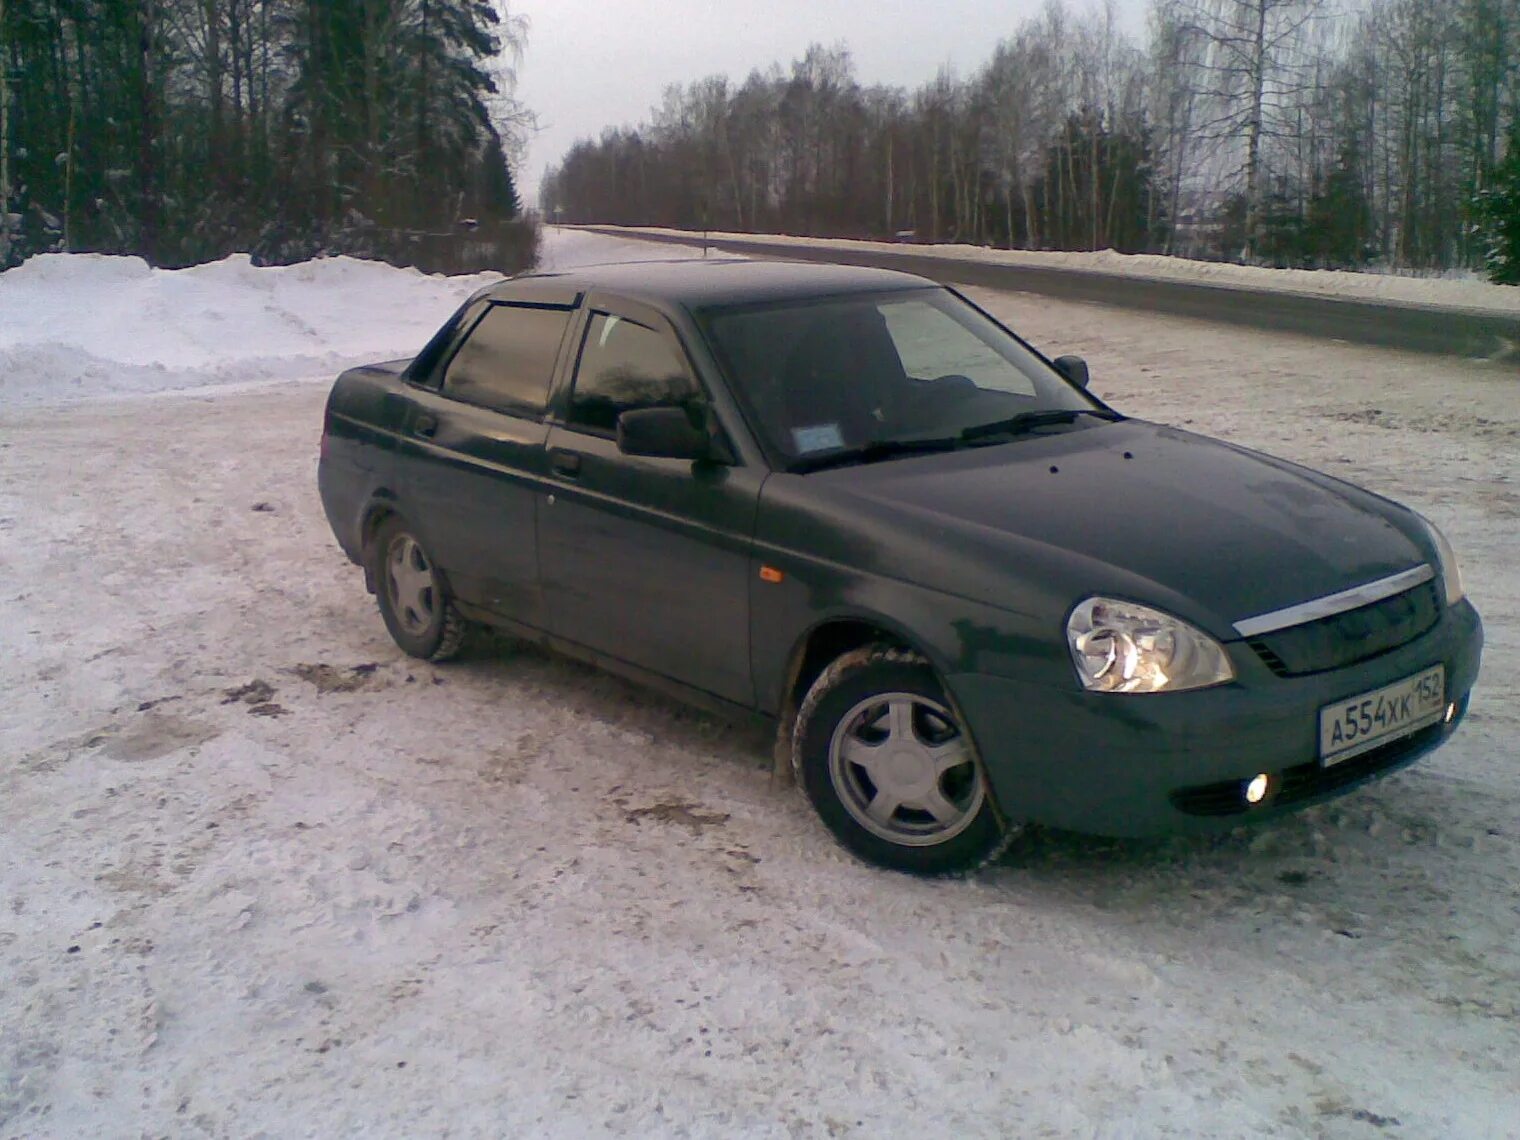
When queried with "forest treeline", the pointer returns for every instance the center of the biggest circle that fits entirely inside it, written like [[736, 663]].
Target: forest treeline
[[1279, 132], [183, 130]]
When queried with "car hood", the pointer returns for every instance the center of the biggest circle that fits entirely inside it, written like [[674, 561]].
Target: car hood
[[1235, 532]]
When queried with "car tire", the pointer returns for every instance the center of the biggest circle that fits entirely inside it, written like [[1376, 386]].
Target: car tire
[[414, 597], [882, 756]]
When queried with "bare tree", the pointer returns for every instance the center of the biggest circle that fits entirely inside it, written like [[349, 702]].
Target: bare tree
[[1278, 131], [1017, 86], [1251, 75], [1175, 57]]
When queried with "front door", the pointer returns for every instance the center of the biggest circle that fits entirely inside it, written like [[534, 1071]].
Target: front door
[[646, 560]]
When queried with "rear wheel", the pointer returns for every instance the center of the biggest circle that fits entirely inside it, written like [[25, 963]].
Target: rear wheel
[[891, 770], [413, 596]]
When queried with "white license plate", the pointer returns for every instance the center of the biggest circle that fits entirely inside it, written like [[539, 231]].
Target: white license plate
[[1352, 726]]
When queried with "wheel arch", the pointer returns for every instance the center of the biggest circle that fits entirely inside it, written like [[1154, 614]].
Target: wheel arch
[[815, 649], [381, 507], [828, 640]]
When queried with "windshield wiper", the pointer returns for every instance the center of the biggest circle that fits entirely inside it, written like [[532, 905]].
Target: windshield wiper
[[1028, 421], [874, 450], [891, 448]]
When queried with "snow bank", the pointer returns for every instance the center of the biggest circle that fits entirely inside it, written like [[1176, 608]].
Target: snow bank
[[79, 325], [76, 326], [1443, 292]]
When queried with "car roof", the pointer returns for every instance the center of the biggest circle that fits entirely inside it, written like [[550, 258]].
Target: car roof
[[701, 283]]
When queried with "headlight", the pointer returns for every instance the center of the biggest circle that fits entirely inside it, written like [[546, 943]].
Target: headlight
[[1451, 573], [1122, 647]]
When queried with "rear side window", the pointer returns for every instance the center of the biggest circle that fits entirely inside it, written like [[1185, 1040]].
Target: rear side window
[[507, 361], [626, 366]]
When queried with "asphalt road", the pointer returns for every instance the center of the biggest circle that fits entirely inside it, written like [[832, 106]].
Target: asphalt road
[[1420, 328]]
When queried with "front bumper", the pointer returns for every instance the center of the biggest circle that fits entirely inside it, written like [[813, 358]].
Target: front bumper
[[1149, 764]]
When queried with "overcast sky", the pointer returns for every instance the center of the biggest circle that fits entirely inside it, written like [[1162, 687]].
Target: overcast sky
[[591, 64]]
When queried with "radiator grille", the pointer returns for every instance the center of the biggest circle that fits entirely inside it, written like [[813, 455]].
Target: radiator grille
[[1347, 638]]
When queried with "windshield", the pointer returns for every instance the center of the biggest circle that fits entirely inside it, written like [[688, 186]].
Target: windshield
[[841, 373]]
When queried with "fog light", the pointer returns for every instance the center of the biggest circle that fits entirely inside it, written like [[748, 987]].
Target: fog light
[[1256, 790], [1451, 712]]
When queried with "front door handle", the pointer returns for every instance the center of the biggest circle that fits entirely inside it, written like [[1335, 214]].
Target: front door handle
[[566, 463], [424, 425]]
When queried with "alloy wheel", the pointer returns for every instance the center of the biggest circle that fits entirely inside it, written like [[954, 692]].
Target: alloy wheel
[[904, 770]]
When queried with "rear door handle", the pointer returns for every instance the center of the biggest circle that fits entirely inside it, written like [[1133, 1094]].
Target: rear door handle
[[567, 463], [424, 425]]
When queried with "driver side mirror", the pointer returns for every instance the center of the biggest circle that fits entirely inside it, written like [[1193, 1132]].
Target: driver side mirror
[[1074, 368], [664, 433]]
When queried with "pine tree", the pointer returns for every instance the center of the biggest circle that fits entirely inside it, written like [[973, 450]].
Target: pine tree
[[392, 97], [5, 143], [1496, 213], [1338, 233]]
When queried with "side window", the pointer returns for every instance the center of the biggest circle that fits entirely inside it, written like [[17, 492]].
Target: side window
[[625, 366], [507, 362], [425, 369]]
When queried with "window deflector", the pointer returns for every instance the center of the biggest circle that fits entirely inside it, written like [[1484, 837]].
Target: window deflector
[[523, 390]]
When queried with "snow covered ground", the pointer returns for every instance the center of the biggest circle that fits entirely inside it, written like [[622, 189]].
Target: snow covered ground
[[1450, 291], [260, 875]]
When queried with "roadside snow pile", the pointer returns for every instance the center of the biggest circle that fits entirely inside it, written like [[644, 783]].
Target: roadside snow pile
[[1439, 292], [77, 326], [73, 326]]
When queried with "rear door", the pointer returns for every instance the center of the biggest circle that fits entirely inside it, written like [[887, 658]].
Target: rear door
[[471, 459], [645, 560]]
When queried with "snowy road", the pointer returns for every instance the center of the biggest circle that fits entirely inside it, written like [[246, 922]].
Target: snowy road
[[262, 875]]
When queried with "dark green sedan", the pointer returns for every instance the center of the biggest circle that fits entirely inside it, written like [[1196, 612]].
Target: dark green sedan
[[970, 596]]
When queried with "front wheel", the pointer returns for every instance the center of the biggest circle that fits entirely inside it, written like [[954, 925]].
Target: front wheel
[[413, 596], [890, 769]]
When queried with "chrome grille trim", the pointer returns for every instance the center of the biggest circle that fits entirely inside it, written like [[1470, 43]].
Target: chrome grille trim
[[1332, 604]]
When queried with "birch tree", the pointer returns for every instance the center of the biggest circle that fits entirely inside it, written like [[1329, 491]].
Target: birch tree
[[1250, 73]]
